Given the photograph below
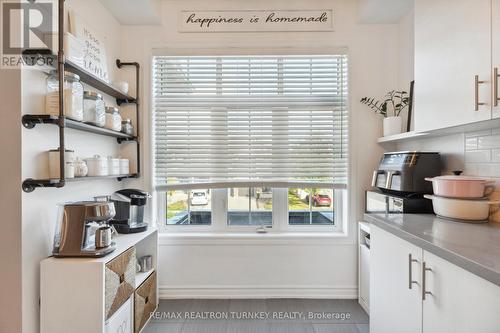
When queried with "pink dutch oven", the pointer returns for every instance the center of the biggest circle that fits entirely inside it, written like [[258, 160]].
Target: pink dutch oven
[[462, 187]]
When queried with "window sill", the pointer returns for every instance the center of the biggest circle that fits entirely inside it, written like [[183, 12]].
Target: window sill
[[271, 238]]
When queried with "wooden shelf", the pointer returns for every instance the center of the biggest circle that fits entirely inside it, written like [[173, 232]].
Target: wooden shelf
[[119, 177], [31, 120], [99, 84], [401, 137], [85, 76], [30, 184]]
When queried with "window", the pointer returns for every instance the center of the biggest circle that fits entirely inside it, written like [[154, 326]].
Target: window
[[252, 130]]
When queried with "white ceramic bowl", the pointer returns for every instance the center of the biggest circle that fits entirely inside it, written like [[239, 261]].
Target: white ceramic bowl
[[466, 210]]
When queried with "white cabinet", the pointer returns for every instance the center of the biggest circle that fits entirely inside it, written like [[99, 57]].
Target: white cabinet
[[364, 275], [395, 304], [496, 55], [452, 46], [461, 302], [456, 301]]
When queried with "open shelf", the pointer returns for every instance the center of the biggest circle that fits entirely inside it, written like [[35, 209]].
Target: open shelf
[[31, 120], [30, 184], [85, 76]]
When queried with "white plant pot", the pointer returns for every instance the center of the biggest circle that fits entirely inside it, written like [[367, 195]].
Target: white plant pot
[[392, 125]]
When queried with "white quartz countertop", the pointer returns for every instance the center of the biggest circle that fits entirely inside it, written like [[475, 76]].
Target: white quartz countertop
[[473, 247]]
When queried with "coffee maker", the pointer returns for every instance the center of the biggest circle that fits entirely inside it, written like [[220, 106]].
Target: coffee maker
[[129, 205], [78, 226]]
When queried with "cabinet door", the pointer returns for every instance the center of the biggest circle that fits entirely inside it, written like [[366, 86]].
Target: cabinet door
[[452, 46], [364, 274], [394, 306], [461, 302], [496, 55]]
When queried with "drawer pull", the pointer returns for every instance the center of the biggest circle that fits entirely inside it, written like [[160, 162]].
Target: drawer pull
[[122, 278], [146, 300]]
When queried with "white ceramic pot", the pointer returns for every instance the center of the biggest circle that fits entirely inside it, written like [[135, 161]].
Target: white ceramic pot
[[97, 166], [124, 166], [461, 186], [392, 125], [464, 210], [113, 166]]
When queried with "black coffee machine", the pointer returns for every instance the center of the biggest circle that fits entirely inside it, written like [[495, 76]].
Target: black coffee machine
[[129, 206]]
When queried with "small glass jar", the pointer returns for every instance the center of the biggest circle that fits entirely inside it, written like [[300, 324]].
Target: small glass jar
[[93, 109], [127, 127], [73, 96], [113, 118]]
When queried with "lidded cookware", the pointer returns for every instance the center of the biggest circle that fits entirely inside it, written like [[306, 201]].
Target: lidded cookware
[[464, 187]]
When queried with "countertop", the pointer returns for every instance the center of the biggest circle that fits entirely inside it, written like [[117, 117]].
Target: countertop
[[473, 247]]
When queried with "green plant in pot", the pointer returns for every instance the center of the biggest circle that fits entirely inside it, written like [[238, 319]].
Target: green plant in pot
[[391, 107]]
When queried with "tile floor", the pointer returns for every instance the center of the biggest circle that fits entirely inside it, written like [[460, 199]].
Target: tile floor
[[269, 316]]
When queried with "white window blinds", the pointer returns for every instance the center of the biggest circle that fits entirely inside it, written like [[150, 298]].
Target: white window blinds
[[229, 118]]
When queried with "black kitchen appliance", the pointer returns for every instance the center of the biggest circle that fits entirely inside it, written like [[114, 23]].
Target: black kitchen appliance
[[129, 207], [404, 173], [379, 202]]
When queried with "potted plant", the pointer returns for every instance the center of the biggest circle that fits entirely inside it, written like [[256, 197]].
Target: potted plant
[[391, 107]]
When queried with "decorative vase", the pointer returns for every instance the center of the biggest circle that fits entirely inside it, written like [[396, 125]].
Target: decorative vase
[[392, 125]]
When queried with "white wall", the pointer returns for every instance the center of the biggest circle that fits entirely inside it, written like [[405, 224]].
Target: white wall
[[39, 207], [257, 266]]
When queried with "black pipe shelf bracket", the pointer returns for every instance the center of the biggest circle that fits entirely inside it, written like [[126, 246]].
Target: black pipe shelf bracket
[[29, 121]]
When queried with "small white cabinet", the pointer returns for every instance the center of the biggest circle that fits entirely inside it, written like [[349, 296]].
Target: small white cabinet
[[395, 304], [364, 266], [456, 301], [452, 46]]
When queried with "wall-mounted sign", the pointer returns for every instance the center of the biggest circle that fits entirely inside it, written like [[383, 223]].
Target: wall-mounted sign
[[255, 20], [94, 59]]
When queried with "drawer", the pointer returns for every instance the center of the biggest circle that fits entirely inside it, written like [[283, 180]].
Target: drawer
[[120, 281], [121, 320], [145, 302]]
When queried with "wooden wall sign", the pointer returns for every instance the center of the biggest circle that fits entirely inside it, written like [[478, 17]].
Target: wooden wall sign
[[255, 20]]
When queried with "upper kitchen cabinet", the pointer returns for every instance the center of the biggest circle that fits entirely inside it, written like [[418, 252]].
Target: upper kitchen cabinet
[[452, 62], [496, 56]]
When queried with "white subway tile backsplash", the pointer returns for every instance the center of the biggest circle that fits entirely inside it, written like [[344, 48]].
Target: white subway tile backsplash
[[488, 142], [488, 170], [478, 156], [478, 133]]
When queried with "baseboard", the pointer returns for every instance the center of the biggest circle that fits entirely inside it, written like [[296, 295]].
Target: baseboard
[[341, 292]]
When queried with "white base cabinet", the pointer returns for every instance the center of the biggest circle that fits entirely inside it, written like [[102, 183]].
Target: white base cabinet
[[455, 300]]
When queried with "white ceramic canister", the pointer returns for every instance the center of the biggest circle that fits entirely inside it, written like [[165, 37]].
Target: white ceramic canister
[[97, 166], [113, 118], [124, 166], [69, 156], [113, 166]]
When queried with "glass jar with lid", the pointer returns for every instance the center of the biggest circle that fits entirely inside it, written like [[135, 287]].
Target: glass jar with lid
[[93, 108], [113, 118], [127, 127], [73, 95]]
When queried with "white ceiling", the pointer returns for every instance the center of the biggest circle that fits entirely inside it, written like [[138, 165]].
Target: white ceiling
[[135, 12], [383, 11]]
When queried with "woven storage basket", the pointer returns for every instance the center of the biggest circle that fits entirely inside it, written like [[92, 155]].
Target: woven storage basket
[[145, 302], [120, 281]]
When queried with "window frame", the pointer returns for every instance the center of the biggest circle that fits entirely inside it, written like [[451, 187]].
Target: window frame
[[219, 204]]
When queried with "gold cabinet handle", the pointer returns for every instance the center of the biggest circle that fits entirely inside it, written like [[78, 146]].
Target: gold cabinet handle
[[495, 86], [410, 271], [424, 270], [477, 82]]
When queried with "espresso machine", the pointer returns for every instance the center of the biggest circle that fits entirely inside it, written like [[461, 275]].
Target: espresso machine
[[129, 205], [82, 230]]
